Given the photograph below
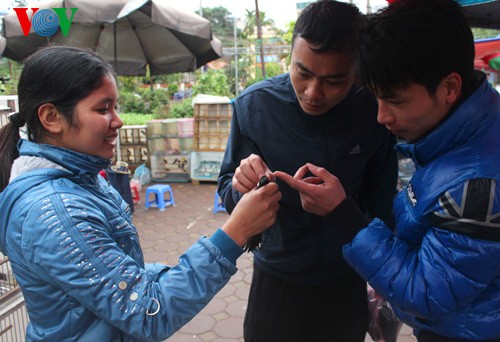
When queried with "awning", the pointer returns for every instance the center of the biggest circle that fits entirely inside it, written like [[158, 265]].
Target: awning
[[487, 54], [482, 13]]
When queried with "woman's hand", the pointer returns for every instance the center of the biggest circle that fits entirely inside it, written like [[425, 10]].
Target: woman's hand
[[319, 194], [247, 175], [254, 213]]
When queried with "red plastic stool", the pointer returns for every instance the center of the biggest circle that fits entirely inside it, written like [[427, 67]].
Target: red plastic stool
[[135, 194]]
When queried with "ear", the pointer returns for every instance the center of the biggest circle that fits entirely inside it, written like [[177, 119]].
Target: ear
[[452, 87], [50, 118]]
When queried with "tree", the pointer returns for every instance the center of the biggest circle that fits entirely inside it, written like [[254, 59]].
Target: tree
[[212, 82], [288, 34], [251, 23], [259, 39], [287, 37], [255, 20], [218, 16], [273, 69]]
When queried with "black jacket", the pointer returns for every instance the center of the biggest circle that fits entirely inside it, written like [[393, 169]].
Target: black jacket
[[267, 120]]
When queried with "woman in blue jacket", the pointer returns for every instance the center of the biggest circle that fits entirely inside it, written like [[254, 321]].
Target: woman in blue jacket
[[69, 235]]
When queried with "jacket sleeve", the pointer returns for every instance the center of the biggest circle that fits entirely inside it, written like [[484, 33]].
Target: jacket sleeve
[[445, 272], [69, 243], [238, 148], [380, 183]]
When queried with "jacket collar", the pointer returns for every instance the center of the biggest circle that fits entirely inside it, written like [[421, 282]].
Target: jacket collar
[[75, 162]]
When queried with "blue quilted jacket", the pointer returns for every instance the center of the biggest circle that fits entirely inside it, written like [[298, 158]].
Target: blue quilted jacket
[[441, 270], [76, 255]]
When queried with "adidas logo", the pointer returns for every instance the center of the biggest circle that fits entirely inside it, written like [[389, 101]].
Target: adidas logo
[[355, 150]]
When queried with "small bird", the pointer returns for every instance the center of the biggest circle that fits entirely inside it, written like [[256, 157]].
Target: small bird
[[254, 241]]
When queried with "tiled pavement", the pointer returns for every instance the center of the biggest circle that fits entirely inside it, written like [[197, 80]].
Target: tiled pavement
[[165, 235]]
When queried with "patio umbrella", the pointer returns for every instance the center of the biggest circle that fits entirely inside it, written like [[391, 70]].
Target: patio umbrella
[[130, 34], [3, 42]]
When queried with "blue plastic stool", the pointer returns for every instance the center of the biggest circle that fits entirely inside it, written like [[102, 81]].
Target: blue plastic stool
[[218, 205], [159, 199]]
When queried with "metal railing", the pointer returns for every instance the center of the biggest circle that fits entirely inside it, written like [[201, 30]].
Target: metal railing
[[13, 313]]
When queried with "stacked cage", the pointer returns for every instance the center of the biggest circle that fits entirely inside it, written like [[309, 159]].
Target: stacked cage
[[133, 148], [212, 123], [170, 142]]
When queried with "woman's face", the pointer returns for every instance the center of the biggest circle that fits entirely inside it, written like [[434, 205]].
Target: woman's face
[[96, 122]]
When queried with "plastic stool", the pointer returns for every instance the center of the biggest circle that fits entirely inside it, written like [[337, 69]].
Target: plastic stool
[[135, 194], [218, 205], [159, 200]]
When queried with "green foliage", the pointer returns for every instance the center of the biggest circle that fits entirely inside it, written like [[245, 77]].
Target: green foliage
[[480, 33], [172, 89], [288, 34], [272, 69], [212, 82], [9, 76], [144, 100], [251, 23], [181, 109], [129, 83], [136, 118], [222, 27]]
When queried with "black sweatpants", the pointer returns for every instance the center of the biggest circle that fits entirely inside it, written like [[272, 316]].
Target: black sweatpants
[[281, 311]]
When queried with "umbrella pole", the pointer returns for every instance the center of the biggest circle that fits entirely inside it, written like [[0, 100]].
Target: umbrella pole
[[114, 45], [118, 145]]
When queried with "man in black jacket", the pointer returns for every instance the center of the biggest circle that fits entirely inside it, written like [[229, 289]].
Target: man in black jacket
[[302, 289]]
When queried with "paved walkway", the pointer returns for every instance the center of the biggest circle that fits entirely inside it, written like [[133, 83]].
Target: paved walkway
[[165, 235]]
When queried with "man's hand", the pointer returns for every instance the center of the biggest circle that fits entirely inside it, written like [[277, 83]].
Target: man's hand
[[319, 194], [247, 175]]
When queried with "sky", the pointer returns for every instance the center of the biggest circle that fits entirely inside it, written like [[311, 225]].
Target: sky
[[281, 11]]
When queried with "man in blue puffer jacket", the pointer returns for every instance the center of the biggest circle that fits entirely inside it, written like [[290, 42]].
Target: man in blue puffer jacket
[[440, 270]]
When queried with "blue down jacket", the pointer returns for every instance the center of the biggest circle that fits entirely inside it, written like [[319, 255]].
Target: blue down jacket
[[76, 255], [441, 270]]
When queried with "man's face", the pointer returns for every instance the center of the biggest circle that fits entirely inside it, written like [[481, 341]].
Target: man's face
[[411, 113], [320, 80]]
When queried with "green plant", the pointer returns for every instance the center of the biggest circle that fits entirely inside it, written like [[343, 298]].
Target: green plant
[[272, 69], [136, 118], [212, 82], [181, 109], [144, 100]]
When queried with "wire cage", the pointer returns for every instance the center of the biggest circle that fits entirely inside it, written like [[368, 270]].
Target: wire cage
[[13, 313]]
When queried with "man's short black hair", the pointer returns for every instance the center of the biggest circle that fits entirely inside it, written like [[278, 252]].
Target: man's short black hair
[[415, 41], [329, 26]]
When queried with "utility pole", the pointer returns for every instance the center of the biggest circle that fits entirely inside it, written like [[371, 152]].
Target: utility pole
[[235, 35], [259, 39], [236, 81], [201, 15]]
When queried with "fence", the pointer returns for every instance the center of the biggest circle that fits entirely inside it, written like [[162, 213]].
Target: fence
[[13, 313]]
